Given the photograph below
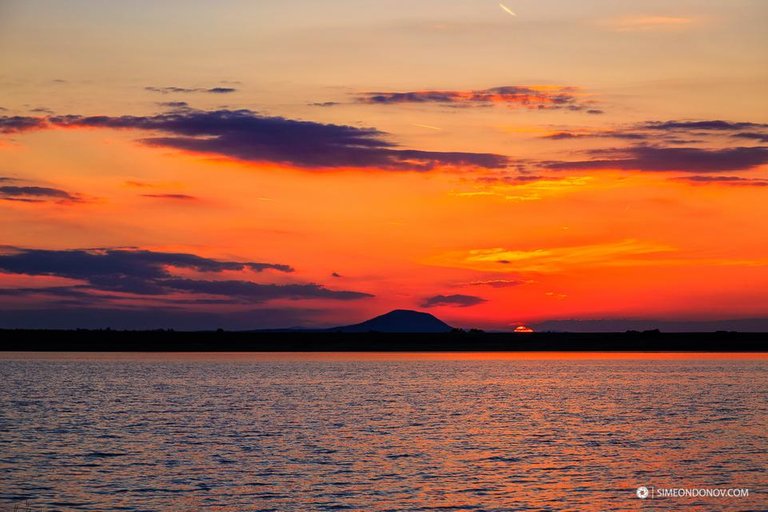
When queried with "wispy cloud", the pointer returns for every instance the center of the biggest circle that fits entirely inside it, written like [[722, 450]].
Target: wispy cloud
[[499, 283], [456, 300], [33, 193], [190, 90], [535, 97], [666, 159], [647, 23], [734, 181], [553, 259], [172, 197]]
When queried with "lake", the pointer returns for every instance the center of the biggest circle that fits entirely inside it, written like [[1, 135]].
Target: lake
[[376, 432]]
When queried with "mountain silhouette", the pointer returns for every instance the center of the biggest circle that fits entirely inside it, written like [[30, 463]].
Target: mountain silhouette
[[399, 320]]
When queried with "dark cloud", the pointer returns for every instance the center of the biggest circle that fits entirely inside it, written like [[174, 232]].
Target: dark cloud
[[711, 125], [531, 97], [249, 136], [175, 105], [565, 135], [663, 159], [78, 316], [499, 283], [14, 124], [724, 180], [261, 292], [670, 131], [516, 179], [148, 273], [92, 263], [760, 137], [324, 104], [189, 90], [35, 194], [458, 300], [175, 197]]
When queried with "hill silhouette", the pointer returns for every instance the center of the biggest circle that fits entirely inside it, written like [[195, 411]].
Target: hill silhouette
[[399, 321]]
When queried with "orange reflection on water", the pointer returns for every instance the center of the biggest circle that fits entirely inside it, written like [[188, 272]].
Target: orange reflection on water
[[384, 356]]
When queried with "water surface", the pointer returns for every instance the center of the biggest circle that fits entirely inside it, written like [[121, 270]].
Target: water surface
[[241, 432]]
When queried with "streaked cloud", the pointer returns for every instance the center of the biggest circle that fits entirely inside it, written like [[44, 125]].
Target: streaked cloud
[[172, 197], [735, 181], [666, 159], [553, 259], [499, 283], [35, 194], [456, 300], [190, 90], [533, 97], [23, 191], [647, 23]]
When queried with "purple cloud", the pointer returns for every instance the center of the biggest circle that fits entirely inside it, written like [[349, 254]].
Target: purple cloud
[[248, 136], [457, 300], [664, 159]]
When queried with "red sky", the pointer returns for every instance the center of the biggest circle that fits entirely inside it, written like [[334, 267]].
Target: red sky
[[249, 165]]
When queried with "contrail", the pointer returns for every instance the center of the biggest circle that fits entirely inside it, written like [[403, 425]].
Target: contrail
[[427, 126], [507, 9]]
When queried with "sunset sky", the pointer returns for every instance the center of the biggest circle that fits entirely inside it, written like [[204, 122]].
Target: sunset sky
[[251, 164]]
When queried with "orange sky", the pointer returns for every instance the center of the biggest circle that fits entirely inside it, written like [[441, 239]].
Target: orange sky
[[492, 170]]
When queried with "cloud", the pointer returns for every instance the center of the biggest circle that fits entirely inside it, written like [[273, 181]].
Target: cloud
[[174, 197], [145, 264], [76, 316], [708, 125], [665, 159], [35, 194], [461, 301], [499, 283], [554, 259], [760, 137], [671, 131], [188, 90], [516, 179], [566, 135], [723, 180], [647, 23], [541, 97], [262, 292], [147, 273], [248, 136], [15, 124], [174, 105]]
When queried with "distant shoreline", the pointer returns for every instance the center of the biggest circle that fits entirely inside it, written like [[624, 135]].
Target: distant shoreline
[[324, 341]]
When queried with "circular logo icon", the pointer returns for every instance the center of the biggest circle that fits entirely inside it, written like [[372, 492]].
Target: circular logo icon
[[642, 492]]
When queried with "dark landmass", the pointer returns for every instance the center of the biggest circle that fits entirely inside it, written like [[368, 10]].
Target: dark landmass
[[623, 324], [399, 320], [328, 341]]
